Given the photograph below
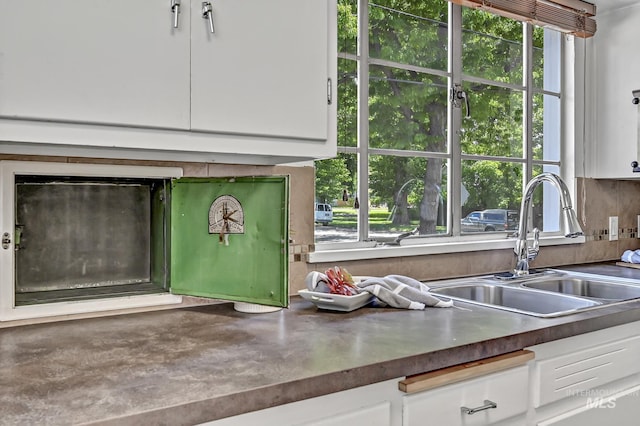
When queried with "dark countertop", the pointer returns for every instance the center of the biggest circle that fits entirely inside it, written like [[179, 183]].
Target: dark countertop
[[192, 365]]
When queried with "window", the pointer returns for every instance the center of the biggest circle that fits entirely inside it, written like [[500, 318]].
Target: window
[[443, 113]]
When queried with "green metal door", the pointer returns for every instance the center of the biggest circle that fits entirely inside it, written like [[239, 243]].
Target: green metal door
[[229, 238]]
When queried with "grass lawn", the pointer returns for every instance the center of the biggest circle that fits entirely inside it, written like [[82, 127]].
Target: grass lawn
[[347, 217]]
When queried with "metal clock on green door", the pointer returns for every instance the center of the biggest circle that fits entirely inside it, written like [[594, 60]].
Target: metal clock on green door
[[226, 216]]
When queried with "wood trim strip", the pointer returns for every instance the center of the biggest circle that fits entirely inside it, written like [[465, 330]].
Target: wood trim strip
[[550, 13], [577, 5], [460, 372]]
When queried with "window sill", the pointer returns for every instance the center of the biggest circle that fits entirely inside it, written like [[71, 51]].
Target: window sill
[[420, 249]]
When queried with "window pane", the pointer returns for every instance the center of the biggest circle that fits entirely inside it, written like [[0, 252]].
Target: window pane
[[492, 46], [347, 103], [546, 127], [546, 202], [491, 193], [347, 26], [547, 56], [408, 104], [408, 110], [495, 125], [336, 185], [415, 35], [407, 195]]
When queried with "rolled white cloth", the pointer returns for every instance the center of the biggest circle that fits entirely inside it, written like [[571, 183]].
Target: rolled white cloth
[[631, 256], [404, 292], [317, 281]]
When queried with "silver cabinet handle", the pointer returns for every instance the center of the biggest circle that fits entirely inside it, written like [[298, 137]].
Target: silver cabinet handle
[[6, 240], [207, 13], [487, 404], [175, 10]]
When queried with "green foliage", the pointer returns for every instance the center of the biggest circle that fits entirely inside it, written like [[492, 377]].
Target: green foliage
[[347, 218], [408, 109], [492, 184], [332, 177]]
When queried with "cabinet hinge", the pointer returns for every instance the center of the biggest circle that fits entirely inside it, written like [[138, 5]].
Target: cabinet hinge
[[329, 92]]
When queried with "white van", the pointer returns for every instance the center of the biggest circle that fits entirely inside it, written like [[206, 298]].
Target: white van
[[323, 213]]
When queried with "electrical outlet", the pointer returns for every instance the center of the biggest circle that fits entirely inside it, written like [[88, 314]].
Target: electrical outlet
[[613, 228]]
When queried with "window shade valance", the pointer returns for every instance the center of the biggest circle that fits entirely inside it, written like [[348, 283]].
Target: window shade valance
[[569, 16]]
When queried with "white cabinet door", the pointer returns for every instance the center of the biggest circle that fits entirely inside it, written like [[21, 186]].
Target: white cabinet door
[[588, 379], [375, 415], [618, 409], [264, 69], [94, 61], [496, 397], [588, 368], [378, 404], [614, 62], [116, 76]]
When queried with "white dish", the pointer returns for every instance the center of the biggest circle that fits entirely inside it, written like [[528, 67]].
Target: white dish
[[337, 302], [253, 308]]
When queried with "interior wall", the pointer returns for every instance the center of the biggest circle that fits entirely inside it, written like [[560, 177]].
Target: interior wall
[[301, 180], [597, 199]]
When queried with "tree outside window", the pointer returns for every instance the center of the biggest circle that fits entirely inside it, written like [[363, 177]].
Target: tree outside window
[[431, 162]]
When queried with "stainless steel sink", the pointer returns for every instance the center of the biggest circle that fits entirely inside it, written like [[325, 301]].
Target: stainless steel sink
[[516, 299], [550, 293], [587, 288]]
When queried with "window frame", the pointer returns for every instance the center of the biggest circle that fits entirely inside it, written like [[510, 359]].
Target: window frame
[[454, 240]]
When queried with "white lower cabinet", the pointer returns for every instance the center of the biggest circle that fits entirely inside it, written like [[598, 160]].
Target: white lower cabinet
[[590, 379], [503, 380], [620, 408], [489, 399], [378, 404]]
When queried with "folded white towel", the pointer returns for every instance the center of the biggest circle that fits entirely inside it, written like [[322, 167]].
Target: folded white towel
[[399, 291], [631, 256], [317, 281]]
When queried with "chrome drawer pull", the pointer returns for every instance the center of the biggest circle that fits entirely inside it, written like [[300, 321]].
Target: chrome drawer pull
[[487, 404]]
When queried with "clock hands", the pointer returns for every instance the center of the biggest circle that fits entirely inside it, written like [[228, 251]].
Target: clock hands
[[226, 216]]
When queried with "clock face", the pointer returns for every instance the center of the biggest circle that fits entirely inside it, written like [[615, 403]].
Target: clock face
[[226, 216]]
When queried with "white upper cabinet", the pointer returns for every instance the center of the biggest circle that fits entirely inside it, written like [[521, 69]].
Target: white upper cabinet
[[126, 79], [614, 64], [263, 70], [113, 62]]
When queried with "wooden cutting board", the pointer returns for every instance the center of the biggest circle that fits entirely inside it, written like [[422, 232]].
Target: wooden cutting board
[[629, 265], [460, 372]]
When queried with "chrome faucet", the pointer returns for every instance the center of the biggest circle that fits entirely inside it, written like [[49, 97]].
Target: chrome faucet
[[569, 225]]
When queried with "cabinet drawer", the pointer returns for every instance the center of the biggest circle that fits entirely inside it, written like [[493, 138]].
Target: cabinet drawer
[[508, 389], [573, 373]]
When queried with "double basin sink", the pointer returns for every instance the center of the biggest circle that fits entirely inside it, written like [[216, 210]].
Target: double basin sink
[[548, 293]]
